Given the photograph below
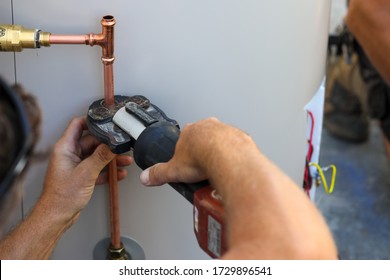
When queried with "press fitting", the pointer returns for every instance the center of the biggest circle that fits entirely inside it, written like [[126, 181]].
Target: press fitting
[[15, 38], [117, 254]]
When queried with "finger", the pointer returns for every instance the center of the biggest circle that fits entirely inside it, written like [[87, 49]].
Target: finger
[[156, 175], [122, 174], [121, 161], [75, 129], [169, 172], [124, 160], [88, 144], [103, 177], [98, 160]]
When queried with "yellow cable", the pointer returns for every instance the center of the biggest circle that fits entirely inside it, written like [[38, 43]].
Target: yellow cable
[[321, 173]]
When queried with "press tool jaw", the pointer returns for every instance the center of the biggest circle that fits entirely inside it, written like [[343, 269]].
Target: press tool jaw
[[120, 125]]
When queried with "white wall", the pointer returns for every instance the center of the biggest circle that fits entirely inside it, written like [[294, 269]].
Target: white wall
[[338, 12], [253, 64]]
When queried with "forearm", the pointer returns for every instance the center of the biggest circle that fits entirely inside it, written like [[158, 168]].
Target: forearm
[[36, 236], [268, 215], [369, 21]]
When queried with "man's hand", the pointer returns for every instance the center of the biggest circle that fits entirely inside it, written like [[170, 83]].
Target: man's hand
[[75, 168], [205, 150], [267, 215]]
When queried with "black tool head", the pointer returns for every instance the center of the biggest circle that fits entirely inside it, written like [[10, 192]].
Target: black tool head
[[100, 124]]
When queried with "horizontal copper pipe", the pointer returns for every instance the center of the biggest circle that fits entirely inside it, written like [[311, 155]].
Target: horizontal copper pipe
[[69, 39]]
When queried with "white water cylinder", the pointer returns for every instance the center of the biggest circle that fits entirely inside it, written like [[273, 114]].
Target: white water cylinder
[[253, 64]]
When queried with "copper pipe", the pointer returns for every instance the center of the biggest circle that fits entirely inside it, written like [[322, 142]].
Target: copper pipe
[[108, 85], [114, 205], [69, 39], [106, 41]]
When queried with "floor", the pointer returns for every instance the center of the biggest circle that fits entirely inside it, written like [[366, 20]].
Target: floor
[[358, 211]]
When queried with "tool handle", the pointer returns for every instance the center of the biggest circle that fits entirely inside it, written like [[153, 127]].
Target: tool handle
[[157, 144]]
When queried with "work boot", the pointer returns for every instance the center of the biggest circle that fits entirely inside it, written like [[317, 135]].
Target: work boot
[[378, 99], [346, 114]]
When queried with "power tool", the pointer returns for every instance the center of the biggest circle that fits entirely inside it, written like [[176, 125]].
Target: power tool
[[134, 123]]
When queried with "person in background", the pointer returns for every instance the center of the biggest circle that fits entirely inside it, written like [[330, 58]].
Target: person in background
[[358, 88], [369, 22]]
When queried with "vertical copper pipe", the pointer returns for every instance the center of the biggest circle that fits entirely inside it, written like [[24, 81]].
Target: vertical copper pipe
[[107, 44], [114, 205], [106, 41], [108, 85]]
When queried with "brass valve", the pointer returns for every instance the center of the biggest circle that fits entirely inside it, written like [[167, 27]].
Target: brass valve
[[14, 38]]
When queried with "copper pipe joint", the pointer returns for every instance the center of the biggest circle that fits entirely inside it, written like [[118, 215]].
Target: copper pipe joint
[[107, 44], [105, 39]]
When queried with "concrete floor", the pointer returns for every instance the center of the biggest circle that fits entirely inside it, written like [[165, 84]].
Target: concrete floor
[[358, 211]]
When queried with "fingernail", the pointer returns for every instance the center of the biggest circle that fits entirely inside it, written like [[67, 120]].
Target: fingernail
[[144, 177]]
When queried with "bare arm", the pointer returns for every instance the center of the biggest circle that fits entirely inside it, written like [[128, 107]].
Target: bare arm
[[35, 237], [369, 21], [74, 169], [268, 216]]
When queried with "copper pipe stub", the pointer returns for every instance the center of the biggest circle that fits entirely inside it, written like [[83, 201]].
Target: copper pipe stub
[[68, 39], [109, 99]]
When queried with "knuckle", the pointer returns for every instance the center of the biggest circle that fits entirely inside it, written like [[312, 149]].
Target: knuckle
[[212, 120], [154, 174]]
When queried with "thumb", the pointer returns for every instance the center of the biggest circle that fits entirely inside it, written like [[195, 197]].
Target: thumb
[[99, 159], [155, 175]]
